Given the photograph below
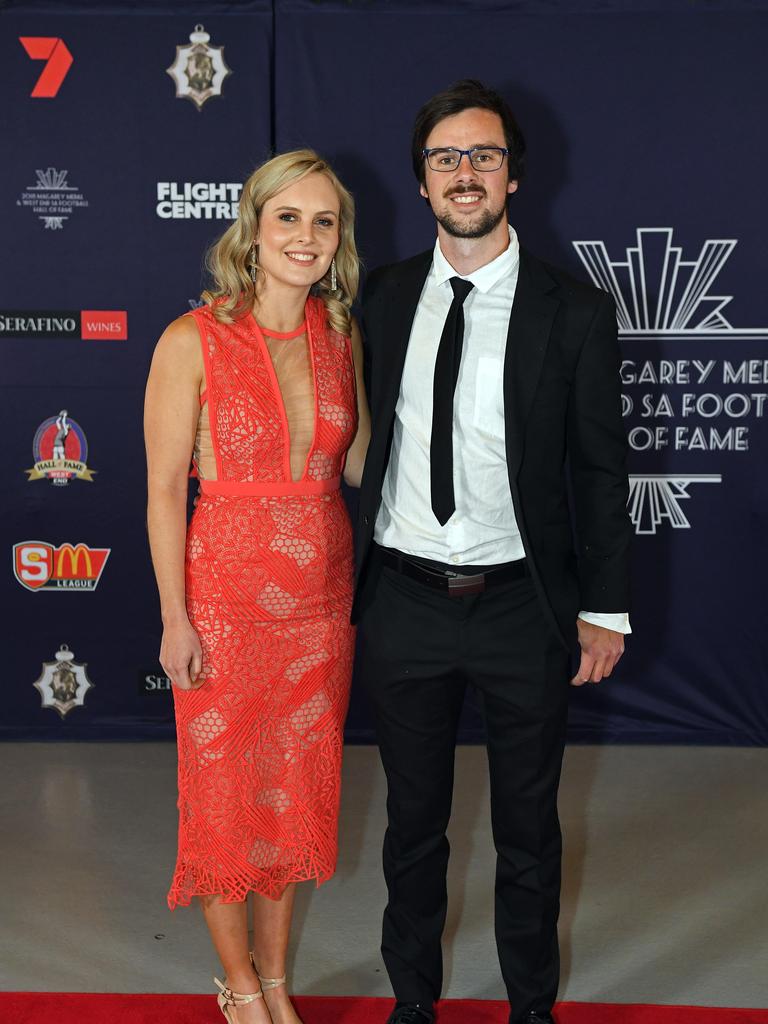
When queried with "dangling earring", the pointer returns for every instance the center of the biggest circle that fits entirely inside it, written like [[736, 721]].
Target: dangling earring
[[253, 264], [333, 274]]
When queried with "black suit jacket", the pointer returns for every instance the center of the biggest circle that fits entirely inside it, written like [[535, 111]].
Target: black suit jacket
[[562, 409]]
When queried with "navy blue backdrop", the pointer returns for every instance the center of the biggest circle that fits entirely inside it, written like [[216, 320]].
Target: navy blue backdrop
[[645, 174]]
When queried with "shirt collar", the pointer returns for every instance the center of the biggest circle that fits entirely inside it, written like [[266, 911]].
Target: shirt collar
[[484, 278]]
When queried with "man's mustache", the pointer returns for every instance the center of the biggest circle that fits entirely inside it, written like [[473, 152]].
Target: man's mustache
[[459, 190]]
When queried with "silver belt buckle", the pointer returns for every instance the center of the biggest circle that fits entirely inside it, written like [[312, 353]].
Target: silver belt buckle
[[460, 585]]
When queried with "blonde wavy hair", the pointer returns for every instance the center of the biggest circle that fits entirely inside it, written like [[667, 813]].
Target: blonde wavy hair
[[228, 260]]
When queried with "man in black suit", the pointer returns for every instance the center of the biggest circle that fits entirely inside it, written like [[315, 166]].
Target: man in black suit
[[492, 379]]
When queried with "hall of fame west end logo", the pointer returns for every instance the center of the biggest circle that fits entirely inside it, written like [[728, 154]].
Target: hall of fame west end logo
[[60, 451], [660, 295]]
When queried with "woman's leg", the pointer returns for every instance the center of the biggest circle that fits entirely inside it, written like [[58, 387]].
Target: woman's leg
[[271, 929], [228, 925]]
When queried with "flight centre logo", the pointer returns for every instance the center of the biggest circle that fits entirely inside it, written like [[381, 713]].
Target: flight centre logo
[[670, 404], [198, 200], [38, 565], [199, 69], [85, 324], [63, 682], [60, 451], [52, 199]]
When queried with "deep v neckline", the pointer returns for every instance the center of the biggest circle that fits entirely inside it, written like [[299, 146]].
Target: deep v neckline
[[261, 335]]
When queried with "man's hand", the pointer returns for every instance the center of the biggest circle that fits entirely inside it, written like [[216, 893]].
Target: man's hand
[[601, 649]]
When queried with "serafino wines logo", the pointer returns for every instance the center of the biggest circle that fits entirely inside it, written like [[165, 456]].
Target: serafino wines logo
[[87, 324], [661, 296], [58, 62], [153, 681]]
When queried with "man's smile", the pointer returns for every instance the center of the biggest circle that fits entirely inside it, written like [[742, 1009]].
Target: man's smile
[[466, 196]]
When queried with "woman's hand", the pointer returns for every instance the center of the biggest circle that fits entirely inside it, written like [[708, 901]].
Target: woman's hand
[[181, 656]]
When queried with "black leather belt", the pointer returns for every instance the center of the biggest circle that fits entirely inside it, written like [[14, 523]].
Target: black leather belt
[[454, 585]]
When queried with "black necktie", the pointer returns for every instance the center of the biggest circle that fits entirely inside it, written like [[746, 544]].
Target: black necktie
[[446, 375]]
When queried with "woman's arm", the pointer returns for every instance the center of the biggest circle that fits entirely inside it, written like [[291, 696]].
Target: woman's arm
[[171, 411], [353, 467]]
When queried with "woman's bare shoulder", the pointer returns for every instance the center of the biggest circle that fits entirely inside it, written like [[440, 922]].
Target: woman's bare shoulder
[[181, 336], [178, 351]]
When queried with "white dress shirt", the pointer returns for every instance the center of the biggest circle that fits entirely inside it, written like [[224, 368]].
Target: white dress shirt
[[483, 529]]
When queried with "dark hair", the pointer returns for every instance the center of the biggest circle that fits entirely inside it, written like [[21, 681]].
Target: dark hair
[[464, 95]]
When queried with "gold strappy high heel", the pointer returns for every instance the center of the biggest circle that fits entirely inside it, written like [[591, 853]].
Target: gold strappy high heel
[[227, 1000], [267, 983]]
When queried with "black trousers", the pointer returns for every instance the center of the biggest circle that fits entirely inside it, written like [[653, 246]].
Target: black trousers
[[418, 650]]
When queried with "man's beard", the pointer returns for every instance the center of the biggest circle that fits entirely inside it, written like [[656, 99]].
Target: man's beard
[[478, 229]]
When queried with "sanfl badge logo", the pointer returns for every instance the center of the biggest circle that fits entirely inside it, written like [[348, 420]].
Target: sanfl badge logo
[[63, 682], [199, 69]]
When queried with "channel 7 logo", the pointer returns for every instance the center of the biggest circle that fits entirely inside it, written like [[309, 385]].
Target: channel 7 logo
[[58, 62]]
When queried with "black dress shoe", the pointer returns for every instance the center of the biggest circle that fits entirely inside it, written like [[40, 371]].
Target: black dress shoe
[[411, 1013], [535, 1018]]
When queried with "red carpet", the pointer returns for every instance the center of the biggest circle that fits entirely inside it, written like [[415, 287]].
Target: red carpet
[[77, 1008]]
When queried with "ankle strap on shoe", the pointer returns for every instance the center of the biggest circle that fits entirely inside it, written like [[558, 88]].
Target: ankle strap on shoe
[[232, 998], [267, 983], [270, 983]]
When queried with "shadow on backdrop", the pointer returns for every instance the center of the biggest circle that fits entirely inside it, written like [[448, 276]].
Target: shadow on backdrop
[[547, 172]]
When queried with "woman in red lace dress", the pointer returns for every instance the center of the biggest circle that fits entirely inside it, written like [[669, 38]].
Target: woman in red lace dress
[[262, 388]]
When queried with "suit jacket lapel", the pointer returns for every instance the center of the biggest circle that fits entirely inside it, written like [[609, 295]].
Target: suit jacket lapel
[[396, 330], [530, 324]]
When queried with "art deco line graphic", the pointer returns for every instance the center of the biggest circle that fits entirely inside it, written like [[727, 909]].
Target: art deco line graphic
[[656, 497], [658, 293]]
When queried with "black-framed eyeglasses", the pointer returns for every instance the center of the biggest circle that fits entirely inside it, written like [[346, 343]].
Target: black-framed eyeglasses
[[482, 158]]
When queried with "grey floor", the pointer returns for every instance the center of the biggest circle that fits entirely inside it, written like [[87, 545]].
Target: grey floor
[[665, 895]]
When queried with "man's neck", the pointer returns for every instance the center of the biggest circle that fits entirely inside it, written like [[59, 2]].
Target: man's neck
[[466, 255]]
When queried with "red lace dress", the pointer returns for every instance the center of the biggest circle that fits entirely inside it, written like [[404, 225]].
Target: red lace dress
[[269, 589]]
